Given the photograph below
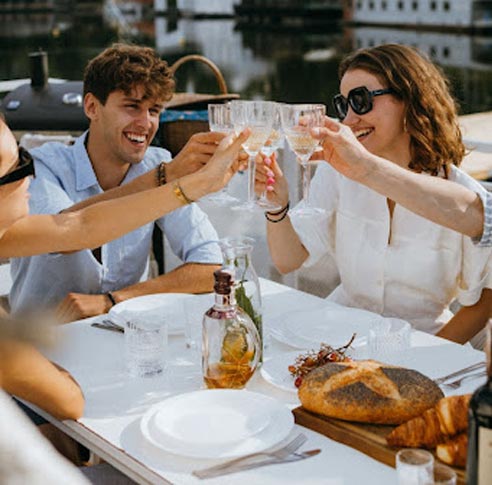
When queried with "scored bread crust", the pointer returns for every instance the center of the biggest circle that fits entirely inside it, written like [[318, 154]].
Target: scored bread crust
[[368, 392]]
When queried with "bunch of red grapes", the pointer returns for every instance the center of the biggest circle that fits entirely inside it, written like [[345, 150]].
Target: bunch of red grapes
[[305, 363]]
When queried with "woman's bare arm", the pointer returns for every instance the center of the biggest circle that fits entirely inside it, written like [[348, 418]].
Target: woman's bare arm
[[444, 202], [97, 224], [469, 320]]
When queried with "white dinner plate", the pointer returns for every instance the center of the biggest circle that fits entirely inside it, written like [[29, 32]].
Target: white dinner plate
[[169, 306], [333, 325], [218, 423]]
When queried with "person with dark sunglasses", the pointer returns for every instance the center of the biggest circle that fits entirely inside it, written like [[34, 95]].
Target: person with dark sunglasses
[[360, 99], [23, 168], [25, 456], [442, 201], [396, 109]]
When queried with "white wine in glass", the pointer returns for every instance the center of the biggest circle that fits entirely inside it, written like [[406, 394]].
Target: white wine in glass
[[219, 120], [257, 115], [274, 142], [297, 122]]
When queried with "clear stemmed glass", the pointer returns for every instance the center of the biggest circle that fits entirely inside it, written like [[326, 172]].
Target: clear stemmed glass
[[274, 142], [219, 119], [297, 122], [257, 115]]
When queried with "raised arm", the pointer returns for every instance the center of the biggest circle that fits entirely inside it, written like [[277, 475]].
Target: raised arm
[[102, 222], [286, 249], [444, 202], [195, 154]]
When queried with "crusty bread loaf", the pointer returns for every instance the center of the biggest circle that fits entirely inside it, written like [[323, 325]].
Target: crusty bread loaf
[[447, 418], [453, 452], [368, 392]]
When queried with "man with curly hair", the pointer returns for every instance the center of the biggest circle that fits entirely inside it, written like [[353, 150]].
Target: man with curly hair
[[125, 88]]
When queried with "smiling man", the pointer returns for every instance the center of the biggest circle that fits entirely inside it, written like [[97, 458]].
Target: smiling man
[[125, 88]]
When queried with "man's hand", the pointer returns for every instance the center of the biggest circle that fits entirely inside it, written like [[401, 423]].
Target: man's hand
[[194, 155], [78, 305], [342, 150]]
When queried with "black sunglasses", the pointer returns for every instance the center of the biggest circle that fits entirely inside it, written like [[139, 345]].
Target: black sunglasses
[[24, 168], [359, 99]]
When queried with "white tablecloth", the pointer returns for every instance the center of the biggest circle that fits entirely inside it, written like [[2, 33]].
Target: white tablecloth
[[115, 403]]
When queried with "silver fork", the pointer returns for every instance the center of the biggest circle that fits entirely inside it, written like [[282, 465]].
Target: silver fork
[[441, 380], [254, 459], [457, 383]]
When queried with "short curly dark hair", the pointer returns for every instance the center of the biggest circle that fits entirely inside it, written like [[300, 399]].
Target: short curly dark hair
[[124, 66], [431, 112]]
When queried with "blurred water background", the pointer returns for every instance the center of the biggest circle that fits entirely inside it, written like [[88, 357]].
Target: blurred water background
[[292, 61]]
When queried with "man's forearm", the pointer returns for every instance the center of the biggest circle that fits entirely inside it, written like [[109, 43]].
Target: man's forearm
[[188, 278], [441, 201]]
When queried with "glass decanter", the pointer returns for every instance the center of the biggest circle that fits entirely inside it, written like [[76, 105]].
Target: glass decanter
[[237, 258], [231, 344]]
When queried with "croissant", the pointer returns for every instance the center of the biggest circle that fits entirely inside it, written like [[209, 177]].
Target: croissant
[[447, 418], [453, 452]]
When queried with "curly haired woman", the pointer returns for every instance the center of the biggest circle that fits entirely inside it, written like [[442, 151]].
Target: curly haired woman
[[390, 260]]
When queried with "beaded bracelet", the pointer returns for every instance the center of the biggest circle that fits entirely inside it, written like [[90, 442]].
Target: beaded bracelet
[[178, 192], [161, 174], [283, 212]]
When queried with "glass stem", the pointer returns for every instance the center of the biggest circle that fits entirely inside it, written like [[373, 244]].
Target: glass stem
[[306, 182], [251, 179]]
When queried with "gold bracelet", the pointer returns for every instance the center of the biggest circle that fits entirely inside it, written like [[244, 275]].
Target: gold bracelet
[[178, 192]]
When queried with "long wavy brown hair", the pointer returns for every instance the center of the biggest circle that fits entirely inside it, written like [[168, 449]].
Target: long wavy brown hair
[[431, 117], [125, 66]]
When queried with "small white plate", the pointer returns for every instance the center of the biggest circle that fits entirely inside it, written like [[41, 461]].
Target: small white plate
[[333, 325], [276, 371], [169, 306], [217, 423]]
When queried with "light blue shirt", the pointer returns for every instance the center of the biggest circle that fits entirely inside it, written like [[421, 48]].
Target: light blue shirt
[[64, 176]]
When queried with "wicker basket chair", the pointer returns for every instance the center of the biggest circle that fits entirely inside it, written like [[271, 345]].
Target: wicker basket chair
[[175, 132]]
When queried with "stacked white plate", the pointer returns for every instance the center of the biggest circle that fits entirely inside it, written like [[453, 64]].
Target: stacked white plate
[[217, 423]]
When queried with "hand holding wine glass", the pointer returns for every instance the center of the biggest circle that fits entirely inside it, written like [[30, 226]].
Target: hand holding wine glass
[[257, 115], [297, 122], [267, 168], [274, 142], [342, 150], [219, 120]]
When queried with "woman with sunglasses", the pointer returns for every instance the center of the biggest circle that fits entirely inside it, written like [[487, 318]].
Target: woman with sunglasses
[[24, 456], [390, 261], [444, 202]]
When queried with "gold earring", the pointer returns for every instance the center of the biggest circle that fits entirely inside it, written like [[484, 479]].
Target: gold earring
[[405, 129]]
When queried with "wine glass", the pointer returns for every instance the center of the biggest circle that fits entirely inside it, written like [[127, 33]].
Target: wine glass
[[219, 120], [258, 116], [274, 142], [297, 122]]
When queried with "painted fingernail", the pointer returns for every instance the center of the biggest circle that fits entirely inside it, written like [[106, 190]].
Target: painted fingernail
[[270, 180], [270, 188], [268, 161], [270, 173]]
